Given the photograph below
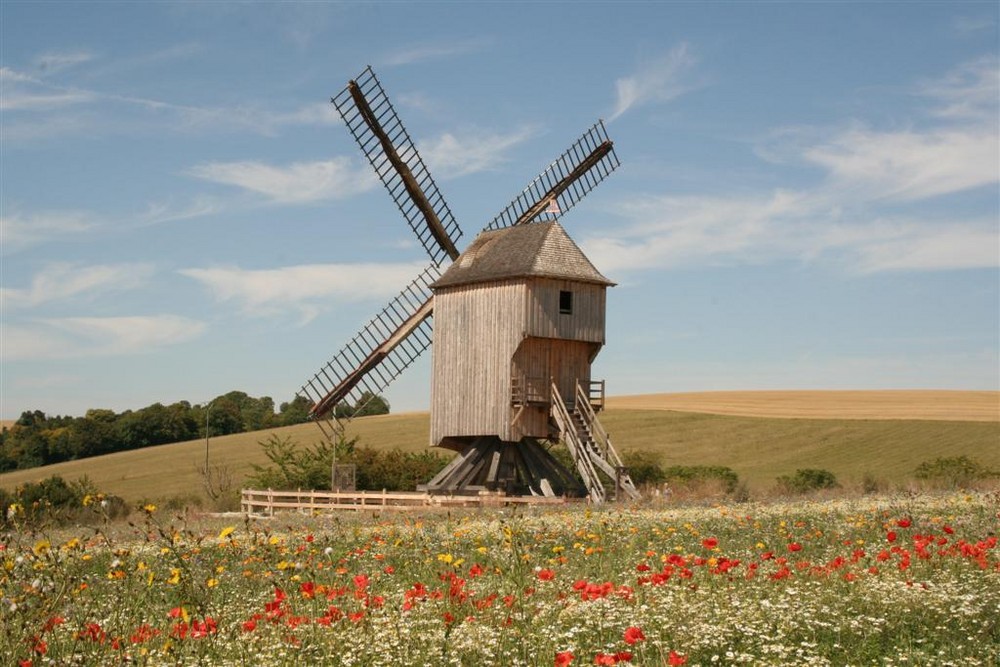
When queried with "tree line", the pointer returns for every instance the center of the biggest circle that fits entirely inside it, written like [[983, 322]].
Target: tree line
[[38, 439]]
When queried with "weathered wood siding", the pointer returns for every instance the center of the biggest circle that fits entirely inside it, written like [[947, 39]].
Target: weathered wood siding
[[543, 360], [487, 333], [544, 320], [477, 328]]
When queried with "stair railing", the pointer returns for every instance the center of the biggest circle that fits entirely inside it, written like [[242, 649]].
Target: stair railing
[[580, 454]]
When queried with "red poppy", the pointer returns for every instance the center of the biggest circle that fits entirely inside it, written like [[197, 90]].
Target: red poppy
[[794, 546], [710, 543], [605, 659], [546, 574], [891, 536], [633, 635], [904, 523], [676, 659], [564, 658]]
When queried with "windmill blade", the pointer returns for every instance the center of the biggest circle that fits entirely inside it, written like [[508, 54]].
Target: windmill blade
[[377, 354], [372, 120], [565, 182]]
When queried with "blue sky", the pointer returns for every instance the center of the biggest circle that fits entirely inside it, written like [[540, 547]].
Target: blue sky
[[808, 196]]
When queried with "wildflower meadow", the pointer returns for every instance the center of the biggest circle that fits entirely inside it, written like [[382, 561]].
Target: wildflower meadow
[[900, 580]]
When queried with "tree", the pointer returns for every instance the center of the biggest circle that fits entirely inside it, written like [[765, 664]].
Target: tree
[[295, 412], [371, 404]]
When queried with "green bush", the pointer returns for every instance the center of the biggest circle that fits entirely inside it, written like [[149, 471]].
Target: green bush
[[692, 476], [806, 480], [311, 467], [54, 500], [643, 467], [952, 472]]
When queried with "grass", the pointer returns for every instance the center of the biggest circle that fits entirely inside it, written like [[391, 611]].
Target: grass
[[757, 448]]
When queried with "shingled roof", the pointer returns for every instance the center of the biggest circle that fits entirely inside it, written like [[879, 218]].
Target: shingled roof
[[540, 249]]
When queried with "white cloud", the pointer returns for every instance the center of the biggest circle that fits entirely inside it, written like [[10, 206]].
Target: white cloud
[[303, 288], [673, 232], [434, 51], [63, 281], [75, 337], [910, 165], [299, 182], [454, 155], [970, 92], [859, 214], [659, 80], [51, 63], [17, 231]]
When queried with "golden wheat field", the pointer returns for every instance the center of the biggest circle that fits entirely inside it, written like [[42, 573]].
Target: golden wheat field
[[888, 404]]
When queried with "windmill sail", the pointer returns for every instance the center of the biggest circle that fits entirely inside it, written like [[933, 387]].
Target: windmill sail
[[377, 354], [564, 183], [372, 120]]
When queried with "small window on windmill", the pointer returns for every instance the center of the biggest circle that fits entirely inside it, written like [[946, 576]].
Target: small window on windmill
[[565, 302]]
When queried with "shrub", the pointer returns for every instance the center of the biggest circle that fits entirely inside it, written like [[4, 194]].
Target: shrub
[[700, 476], [311, 467], [54, 500], [951, 472], [643, 466], [806, 480]]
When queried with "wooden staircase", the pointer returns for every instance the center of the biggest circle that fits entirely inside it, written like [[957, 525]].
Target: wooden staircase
[[590, 447]]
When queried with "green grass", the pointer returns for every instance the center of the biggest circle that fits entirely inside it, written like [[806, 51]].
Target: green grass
[[758, 449]]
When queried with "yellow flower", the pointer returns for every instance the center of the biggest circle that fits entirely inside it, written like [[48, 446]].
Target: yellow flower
[[41, 547], [212, 583], [149, 508], [482, 550], [226, 532], [445, 558], [175, 576]]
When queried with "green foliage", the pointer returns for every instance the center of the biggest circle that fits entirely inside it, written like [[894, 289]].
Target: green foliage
[[54, 500], [806, 480], [366, 405], [310, 467], [702, 475], [37, 439], [643, 466], [953, 472]]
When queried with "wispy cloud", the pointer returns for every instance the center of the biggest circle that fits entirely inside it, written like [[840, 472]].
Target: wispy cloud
[[964, 25], [19, 231], [47, 102], [297, 183], [76, 337], [671, 232], [458, 154], [433, 51], [910, 165], [859, 215], [304, 289], [53, 62], [61, 281], [658, 80], [969, 92]]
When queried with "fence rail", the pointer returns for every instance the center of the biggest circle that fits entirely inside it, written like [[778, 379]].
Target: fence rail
[[270, 501]]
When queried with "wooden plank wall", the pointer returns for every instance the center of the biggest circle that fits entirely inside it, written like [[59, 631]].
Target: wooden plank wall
[[586, 321], [476, 330]]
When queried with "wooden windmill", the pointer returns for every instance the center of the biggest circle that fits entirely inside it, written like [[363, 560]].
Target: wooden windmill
[[518, 319]]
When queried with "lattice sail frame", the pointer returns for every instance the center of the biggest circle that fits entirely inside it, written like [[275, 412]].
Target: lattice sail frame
[[408, 195], [405, 306], [566, 181]]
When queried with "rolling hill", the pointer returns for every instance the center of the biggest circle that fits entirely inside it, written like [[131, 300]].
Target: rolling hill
[[759, 434]]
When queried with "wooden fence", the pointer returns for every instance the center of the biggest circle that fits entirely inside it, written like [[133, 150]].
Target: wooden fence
[[269, 501]]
